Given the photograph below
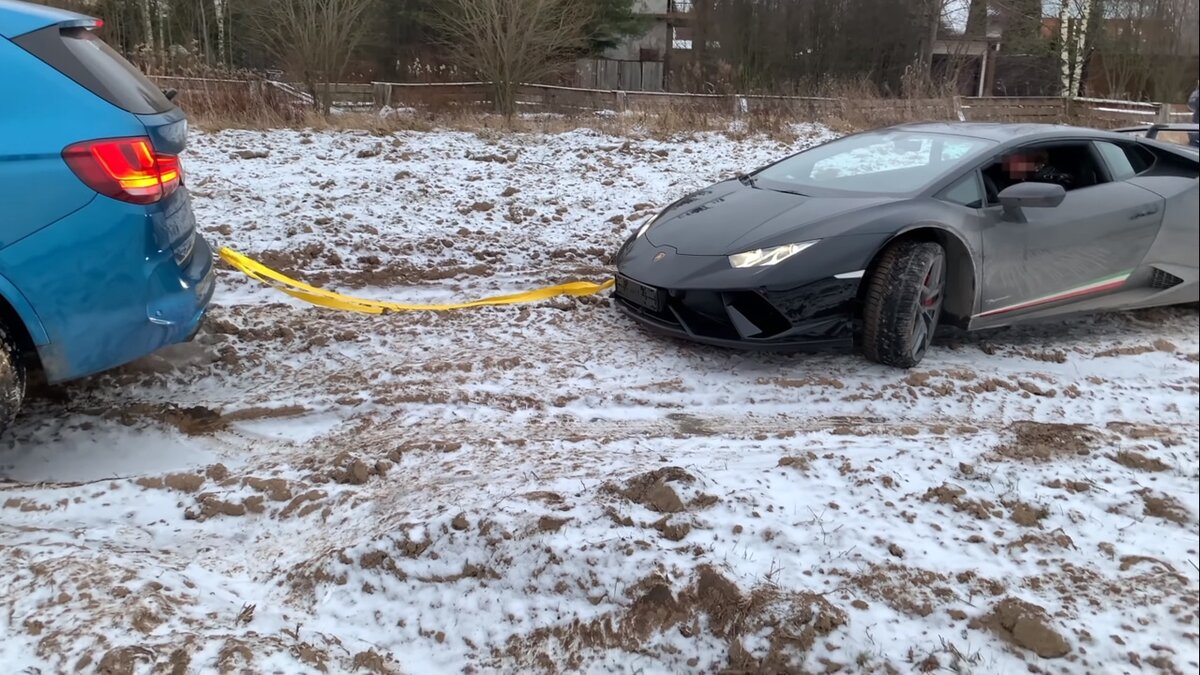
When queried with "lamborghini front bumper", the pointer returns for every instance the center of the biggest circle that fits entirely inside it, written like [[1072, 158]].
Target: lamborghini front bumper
[[813, 317]]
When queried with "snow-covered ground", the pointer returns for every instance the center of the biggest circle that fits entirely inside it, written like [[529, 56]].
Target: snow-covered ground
[[548, 488]]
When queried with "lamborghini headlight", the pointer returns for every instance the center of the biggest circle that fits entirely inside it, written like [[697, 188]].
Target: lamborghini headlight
[[765, 257]]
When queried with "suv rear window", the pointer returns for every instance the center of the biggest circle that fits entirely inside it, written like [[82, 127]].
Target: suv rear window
[[85, 58]]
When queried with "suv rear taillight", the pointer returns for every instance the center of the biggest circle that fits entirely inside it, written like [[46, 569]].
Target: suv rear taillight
[[127, 169]]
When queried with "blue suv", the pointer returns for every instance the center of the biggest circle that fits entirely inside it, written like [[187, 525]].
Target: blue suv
[[100, 262]]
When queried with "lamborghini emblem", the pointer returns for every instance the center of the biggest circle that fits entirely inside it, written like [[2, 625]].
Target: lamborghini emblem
[[659, 256]]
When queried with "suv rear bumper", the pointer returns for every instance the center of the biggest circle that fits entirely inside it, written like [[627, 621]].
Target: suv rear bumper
[[106, 286]]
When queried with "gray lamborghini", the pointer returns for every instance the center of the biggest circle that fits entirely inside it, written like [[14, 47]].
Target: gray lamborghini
[[875, 239]]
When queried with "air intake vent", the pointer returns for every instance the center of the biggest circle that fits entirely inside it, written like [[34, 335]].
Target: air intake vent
[[1161, 280]]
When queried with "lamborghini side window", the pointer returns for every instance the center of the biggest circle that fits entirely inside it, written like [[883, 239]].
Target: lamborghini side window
[[1126, 160], [1118, 163], [965, 192], [1073, 165]]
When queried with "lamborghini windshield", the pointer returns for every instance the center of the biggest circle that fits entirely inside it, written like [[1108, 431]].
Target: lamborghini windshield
[[880, 162]]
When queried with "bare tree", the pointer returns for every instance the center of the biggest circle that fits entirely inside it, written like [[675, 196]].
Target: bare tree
[[511, 42], [312, 39]]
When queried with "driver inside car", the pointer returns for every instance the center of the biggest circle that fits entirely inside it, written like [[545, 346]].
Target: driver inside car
[[1033, 165]]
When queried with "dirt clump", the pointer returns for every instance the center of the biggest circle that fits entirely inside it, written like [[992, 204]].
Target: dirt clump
[[796, 461], [276, 489], [1069, 485], [1165, 507], [184, 482], [179, 661], [211, 506], [124, 660], [1041, 441], [654, 611], [1024, 625], [303, 504], [234, 653], [1125, 351], [673, 531], [1047, 542], [955, 497], [651, 489], [356, 472], [663, 499], [1138, 461], [372, 662], [551, 524], [460, 522], [194, 421], [1026, 515], [1142, 432]]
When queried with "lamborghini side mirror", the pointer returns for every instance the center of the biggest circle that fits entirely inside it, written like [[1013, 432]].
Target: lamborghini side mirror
[[1015, 198]]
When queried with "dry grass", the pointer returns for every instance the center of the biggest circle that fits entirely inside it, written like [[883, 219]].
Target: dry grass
[[840, 106]]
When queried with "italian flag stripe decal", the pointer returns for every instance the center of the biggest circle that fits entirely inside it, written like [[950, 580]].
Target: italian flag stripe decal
[[1105, 284]]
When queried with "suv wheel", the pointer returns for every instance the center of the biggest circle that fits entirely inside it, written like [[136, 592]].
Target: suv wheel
[[12, 379], [904, 303]]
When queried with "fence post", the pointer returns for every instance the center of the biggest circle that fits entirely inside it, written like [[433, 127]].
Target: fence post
[[740, 106], [622, 104], [1163, 113]]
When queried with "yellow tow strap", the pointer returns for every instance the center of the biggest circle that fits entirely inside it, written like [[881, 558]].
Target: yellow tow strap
[[322, 298]]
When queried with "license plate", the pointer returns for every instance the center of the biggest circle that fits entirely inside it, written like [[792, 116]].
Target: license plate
[[642, 295]]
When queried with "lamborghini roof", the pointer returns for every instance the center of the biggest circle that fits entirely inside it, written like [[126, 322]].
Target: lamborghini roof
[[1002, 133]]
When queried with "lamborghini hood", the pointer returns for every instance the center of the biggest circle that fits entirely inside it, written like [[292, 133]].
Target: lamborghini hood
[[730, 218]]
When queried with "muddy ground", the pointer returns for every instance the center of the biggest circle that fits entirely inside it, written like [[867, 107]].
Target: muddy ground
[[548, 488]]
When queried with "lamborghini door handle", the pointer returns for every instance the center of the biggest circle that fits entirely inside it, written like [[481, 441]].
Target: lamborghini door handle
[[1144, 213]]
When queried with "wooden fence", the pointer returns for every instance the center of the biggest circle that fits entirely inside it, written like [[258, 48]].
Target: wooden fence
[[193, 92], [623, 75]]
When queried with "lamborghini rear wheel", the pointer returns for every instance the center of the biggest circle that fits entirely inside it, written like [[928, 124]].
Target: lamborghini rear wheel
[[904, 303]]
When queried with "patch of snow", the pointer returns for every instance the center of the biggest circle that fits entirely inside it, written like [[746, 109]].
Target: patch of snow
[[520, 487]]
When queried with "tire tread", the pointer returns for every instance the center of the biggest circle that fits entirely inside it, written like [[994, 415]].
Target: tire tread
[[893, 290]]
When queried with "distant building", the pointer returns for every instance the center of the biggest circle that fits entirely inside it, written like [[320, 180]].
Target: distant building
[[640, 63]]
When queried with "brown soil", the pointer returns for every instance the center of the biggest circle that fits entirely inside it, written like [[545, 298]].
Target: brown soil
[[1136, 460], [1069, 485], [373, 662], [1024, 625], [184, 482], [792, 622], [672, 531], [1125, 351], [210, 506], [194, 421], [1165, 507], [1145, 432], [796, 461], [1042, 442], [277, 489], [651, 489], [551, 524], [954, 496], [1026, 515], [124, 660], [1045, 542]]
